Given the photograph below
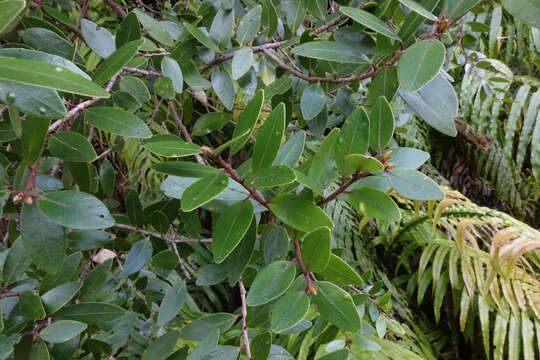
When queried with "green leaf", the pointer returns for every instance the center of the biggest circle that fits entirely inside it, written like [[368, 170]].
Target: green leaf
[[241, 62], [71, 146], [340, 272], [69, 268], [34, 133], [46, 75], [353, 137], [408, 158], [117, 121], [290, 152], [91, 313], [370, 21], [381, 124], [239, 258], [323, 166], [50, 42], [166, 260], [361, 163], [337, 307], [162, 347], [40, 102], [172, 147], [385, 84], [9, 9], [313, 101], [296, 14], [222, 27], [247, 120], [316, 249], [260, 346], [99, 39], [374, 203], [289, 311], [44, 241], [139, 255], [249, 25], [223, 85], [116, 61], [62, 331], [342, 354], [419, 9], [436, 103], [204, 190], [76, 210], [171, 69], [414, 185], [184, 169], [269, 139], [201, 37], [129, 30], [230, 228], [455, 8], [330, 51], [365, 343], [16, 262], [298, 213], [95, 280], [171, 303], [270, 283], [270, 177], [200, 328], [107, 177], [39, 352], [58, 297], [164, 87], [269, 19], [211, 274], [209, 122], [420, 64], [136, 87], [30, 304], [154, 28]]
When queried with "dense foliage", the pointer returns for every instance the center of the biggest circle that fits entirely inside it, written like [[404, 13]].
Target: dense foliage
[[240, 179]]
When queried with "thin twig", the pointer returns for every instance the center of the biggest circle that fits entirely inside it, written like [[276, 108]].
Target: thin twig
[[183, 129], [180, 262], [116, 7], [329, 25], [342, 188], [311, 288], [244, 316], [159, 236]]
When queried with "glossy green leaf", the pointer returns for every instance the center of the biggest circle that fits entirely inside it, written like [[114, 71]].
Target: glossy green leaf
[[209, 122], [312, 102], [171, 69], [223, 85], [270, 283], [269, 139], [260, 346], [30, 304], [117, 121], [353, 137], [71, 146], [51, 42], [316, 248], [204, 190], [154, 28], [436, 103], [408, 158], [58, 297], [139, 255], [455, 8], [200, 328], [289, 311], [323, 166], [222, 27], [211, 274], [129, 30], [381, 124], [330, 51], [249, 25], [172, 148], [136, 87], [62, 331], [116, 61], [299, 213], [46, 75], [337, 307], [370, 21], [247, 120], [230, 228], [385, 84], [40, 102], [184, 169], [374, 203], [97, 38], [239, 258], [419, 9], [340, 272], [270, 177], [414, 185], [420, 63], [16, 262], [201, 37], [361, 163], [95, 280], [9, 10], [171, 303], [34, 133], [162, 347], [91, 313], [290, 152], [44, 241], [269, 18], [241, 62], [76, 210]]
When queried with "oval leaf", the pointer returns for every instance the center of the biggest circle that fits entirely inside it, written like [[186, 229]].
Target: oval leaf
[[370, 21], [270, 177], [340, 272], [62, 331], [289, 311], [271, 282], [172, 303], [381, 124], [420, 64], [204, 190], [299, 213], [316, 249], [230, 228], [337, 307], [139, 255], [269, 139], [71, 146], [312, 102], [330, 51], [414, 185], [374, 203], [117, 121]]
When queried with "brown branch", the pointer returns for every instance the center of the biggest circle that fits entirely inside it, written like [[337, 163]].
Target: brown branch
[[13, 293], [310, 286], [329, 25], [244, 316], [183, 129], [159, 236], [116, 7], [343, 187], [479, 140], [373, 71], [141, 71], [234, 175]]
